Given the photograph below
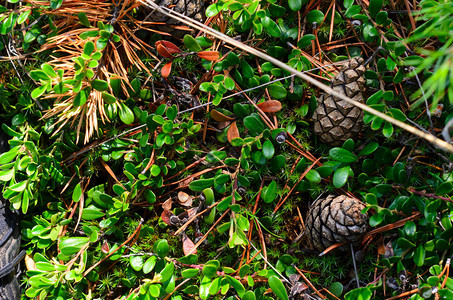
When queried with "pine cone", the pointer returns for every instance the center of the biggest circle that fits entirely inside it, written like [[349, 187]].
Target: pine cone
[[190, 8], [337, 120], [335, 219]]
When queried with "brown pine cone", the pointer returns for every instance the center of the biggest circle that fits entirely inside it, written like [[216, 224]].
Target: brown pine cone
[[335, 219], [190, 8], [337, 120]]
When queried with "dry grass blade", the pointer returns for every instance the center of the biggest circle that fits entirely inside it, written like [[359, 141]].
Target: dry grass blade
[[186, 20]]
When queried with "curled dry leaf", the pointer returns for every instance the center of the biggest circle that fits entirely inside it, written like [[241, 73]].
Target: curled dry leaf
[[233, 132], [270, 106], [172, 48], [192, 212], [166, 217], [222, 125], [188, 245], [166, 70], [167, 204], [185, 199], [29, 263], [162, 50], [219, 117], [209, 55], [105, 247]]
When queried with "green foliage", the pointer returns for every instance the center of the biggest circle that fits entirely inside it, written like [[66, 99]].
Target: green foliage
[[223, 163]]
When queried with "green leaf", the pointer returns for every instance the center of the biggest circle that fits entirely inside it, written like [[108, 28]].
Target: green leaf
[[213, 9], [249, 295], [23, 16], [269, 193], [340, 176], [77, 193], [83, 19], [136, 262], [336, 288], [315, 16], [369, 148], [229, 83], [313, 176], [404, 243], [347, 3], [167, 272], [277, 287], [375, 7], [88, 49], [419, 255], [268, 149], [277, 91], [161, 248], [247, 70], [189, 273], [410, 228], [81, 97], [295, 5], [352, 11], [18, 187], [31, 35], [444, 188], [214, 288], [398, 114], [271, 27], [70, 246], [204, 288], [201, 184], [154, 290], [209, 270], [39, 75], [236, 284], [9, 156], [371, 198], [100, 85], [149, 264], [92, 212], [387, 131], [413, 60], [108, 98], [342, 155], [126, 114], [254, 124], [49, 70], [364, 293], [191, 43], [6, 175], [54, 4]]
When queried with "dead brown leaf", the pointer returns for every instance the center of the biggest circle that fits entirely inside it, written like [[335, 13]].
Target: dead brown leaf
[[270, 106], [233, 132], [167, 204], [219, 117], [185, 199], [188, 245]]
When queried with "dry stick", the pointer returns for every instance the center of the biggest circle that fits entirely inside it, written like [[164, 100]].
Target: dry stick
[[309, 283], [405, 294], [188, 21], [300, 178]]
